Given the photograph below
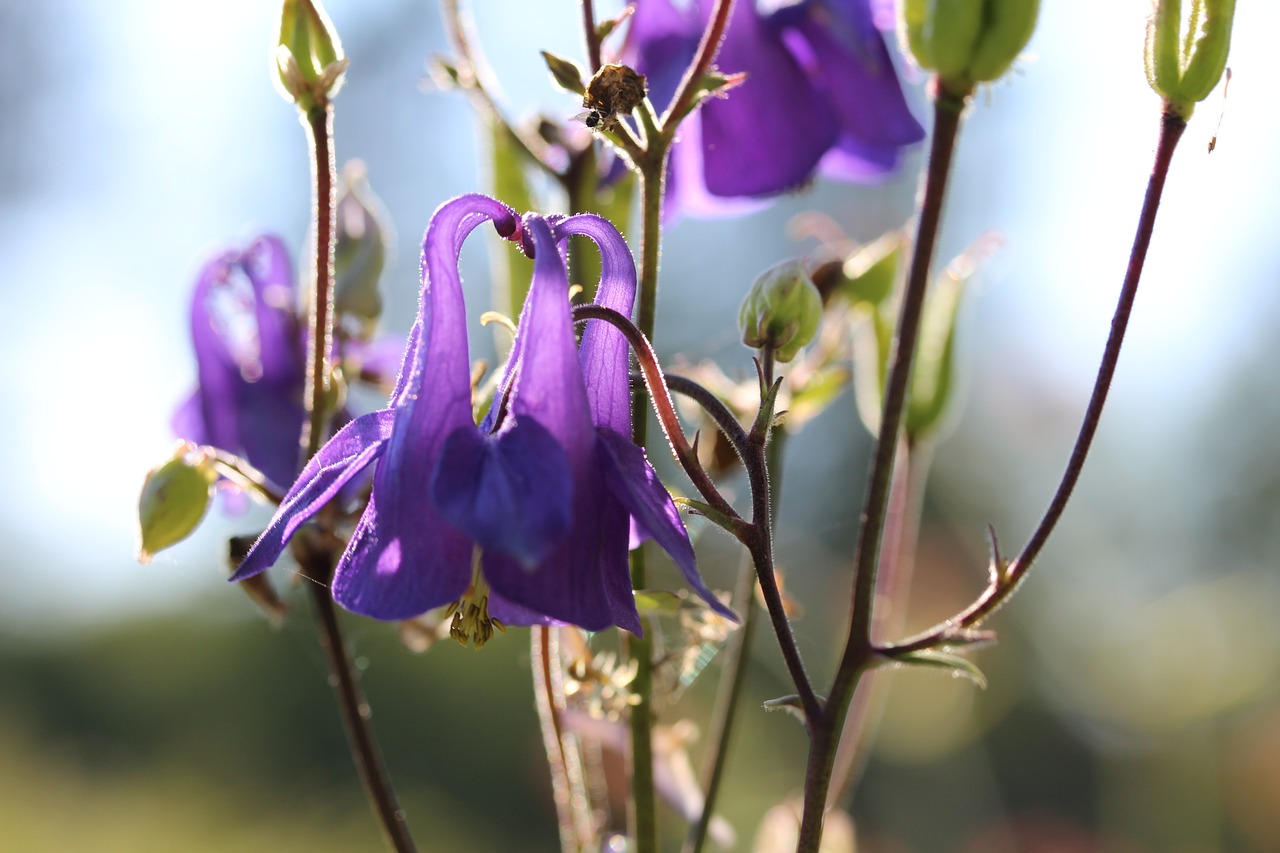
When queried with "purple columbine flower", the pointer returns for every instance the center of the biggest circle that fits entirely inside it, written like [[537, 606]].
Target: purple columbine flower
[[821, 94], [525, 518], [248, 360]]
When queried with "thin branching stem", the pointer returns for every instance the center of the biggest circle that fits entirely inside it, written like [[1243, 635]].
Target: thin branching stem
[[858, 650], [737, 659], [591, 34], [318, 564], [1171, 128], [472, 78]]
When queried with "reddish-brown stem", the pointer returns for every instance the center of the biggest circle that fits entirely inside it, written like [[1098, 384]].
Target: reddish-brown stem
[[706, 54], [319, 123], [858, 647], [591, 34], [1171, 128]]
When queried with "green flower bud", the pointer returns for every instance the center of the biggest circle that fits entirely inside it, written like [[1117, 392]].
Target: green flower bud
[[967, 42], [781, 310], [174, 499], [1184, 69], [361, 251], [565, 72], [308, 58]]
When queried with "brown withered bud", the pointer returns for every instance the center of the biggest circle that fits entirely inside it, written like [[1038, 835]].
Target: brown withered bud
[[614, 90]]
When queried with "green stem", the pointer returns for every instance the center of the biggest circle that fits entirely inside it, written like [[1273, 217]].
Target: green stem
[[858, 650], [643, 812]]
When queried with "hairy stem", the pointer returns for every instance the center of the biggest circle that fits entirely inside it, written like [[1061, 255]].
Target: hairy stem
[[355, 714], [324, 177], [591, 35], [318, 564], [737, 659]]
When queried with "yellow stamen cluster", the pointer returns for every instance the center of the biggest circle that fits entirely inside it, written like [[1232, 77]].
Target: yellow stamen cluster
[[472, 623]]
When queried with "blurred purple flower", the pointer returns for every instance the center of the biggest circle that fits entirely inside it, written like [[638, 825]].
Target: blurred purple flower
[[821, 94], [248, 360], [527, 516]]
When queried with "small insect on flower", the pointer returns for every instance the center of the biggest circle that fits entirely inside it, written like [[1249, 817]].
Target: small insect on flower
[[614, 90]]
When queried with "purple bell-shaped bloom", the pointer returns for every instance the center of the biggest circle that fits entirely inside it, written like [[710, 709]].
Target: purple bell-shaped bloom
[[524, 519], [248, 360], [821, 94]]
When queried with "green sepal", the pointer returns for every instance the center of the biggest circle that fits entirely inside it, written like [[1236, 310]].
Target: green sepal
[[1006, 34], [1207, 47], [308, 58]]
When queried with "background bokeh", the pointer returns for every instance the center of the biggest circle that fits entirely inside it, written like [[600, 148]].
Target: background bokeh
[[1133, 702]]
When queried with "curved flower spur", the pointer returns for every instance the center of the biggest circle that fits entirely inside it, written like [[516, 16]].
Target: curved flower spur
[[525, 519]]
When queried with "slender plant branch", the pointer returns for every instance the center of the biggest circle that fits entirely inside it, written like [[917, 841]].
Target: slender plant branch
[[324, 176], [712, 405], [893, 583], [472, 73], [682, 101], [318, 563], [567, 785], [591, 34], [354, 709], [737, 661], [659, 394], [858, 650], [239, 471], [1171, 128]]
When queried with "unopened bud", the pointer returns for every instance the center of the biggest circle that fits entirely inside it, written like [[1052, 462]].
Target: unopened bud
[[362, 240], [565, 72], [967, 42], [308, 57], [1185, 69], [781, 311], [174, 499]]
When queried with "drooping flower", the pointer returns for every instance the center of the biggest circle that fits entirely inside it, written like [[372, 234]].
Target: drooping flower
[[248, 360], [821, 94], [525, 518]]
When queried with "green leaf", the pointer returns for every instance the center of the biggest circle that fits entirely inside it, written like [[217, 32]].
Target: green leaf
[[790, 703], [732, 526], [955, 664], [871, 273], [820, 391], [658, 602]]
